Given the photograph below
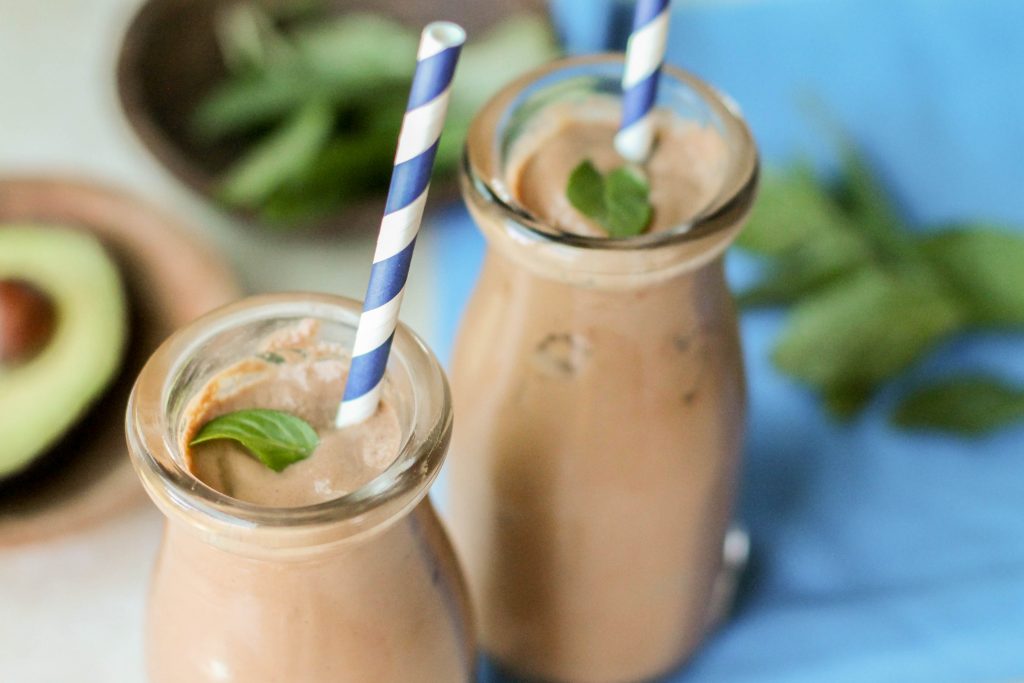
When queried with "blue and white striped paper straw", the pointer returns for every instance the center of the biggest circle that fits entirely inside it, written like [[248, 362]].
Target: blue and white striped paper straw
[[440, 45], [645, 53]]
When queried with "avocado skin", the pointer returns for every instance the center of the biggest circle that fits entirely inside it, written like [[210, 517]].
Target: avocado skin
[[44, 400]]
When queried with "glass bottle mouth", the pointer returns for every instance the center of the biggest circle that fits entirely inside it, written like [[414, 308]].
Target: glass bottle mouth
[[414, 383], [502, 118]]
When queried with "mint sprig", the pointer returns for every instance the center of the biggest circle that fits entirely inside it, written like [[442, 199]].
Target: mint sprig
[[619, 201], [870, 296], [314, 99], [274, 438]]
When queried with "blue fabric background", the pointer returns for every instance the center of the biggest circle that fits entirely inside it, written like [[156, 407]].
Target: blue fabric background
[[879, 555]]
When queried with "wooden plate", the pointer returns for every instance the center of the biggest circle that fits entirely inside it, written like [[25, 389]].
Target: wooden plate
[[170, 279], [169, 61]]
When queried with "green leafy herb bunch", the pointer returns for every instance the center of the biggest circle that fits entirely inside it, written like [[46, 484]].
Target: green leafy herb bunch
[[869, 296], [316, 102]]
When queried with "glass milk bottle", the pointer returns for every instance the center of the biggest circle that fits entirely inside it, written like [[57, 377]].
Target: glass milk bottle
[[360, 588], [600, 394]]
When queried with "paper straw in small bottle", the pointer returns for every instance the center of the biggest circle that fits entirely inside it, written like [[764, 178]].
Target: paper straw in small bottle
[[645, 53], [440, 45]]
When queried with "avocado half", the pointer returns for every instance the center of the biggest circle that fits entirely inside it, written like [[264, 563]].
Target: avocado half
[[45, 396]]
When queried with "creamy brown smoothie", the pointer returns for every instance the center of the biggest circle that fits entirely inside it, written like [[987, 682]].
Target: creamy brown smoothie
[[600, 398], [296, 373], [684, 169], [375, 596]]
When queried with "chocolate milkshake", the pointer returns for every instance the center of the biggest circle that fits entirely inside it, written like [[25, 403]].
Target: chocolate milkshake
[[598, 382], [336, 568], [293, 372], [683, 171]]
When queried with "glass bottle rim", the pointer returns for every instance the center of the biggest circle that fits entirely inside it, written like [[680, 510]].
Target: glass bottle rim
[[482, 165], [156, 457]]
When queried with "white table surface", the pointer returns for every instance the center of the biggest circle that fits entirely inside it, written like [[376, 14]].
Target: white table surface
[[72, 609]]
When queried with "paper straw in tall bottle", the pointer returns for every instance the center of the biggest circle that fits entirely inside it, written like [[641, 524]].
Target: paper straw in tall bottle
[[645, 53], [440, 45]]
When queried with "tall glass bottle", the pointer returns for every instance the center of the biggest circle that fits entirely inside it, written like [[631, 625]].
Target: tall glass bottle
[[361, 588], [600, 394]]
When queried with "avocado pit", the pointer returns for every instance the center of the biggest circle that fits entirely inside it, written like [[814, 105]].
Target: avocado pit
[[28, 317]]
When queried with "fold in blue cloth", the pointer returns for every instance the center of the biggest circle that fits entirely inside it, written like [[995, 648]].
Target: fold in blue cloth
[[879, 555]]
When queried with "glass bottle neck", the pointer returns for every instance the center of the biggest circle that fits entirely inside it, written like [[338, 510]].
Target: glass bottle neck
[[189, 359], [563, 109], [610, 269]]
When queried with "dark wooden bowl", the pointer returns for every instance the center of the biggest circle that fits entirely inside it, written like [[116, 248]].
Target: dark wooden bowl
[[170, 278], [169, 61]]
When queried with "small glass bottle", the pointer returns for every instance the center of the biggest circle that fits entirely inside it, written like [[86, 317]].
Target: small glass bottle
[[600, 394], [361, 588]]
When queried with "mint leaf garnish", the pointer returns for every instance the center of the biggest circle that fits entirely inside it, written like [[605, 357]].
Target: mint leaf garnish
[[274, 438], [963, 405], [586, 191], [627, 196], [619, 201]]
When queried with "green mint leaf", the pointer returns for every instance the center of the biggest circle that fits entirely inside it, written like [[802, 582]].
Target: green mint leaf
[[356, 47], [845, 400], [620, 201], [810, 238], [274, 438], [808, 266], [247, 37], [271, 357], [984, 268], [357, 63], [862, 194], [328, 61], [347, 169], [872, 211], [863, 329], [282, 156], [586, 191], [969, 405], [871, 297], [244, 103], [792, 207], [627, 199]]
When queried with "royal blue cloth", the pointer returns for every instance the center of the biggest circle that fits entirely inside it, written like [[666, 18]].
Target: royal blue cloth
[[879, 555]]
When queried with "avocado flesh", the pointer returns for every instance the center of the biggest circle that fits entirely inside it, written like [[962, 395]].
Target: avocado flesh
[[42, 398]]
